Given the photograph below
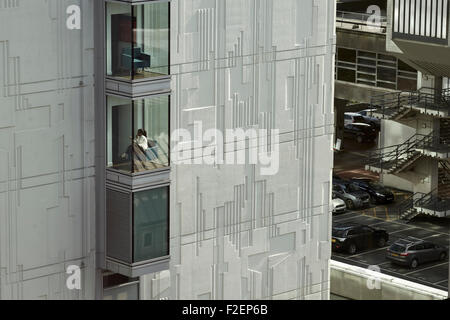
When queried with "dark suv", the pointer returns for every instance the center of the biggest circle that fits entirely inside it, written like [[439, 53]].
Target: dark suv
[[352, 237], [361, 132], [378, 193], [412, 251]]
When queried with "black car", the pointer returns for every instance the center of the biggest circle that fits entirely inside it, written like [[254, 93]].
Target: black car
[[412, 251], [378, 193], [352, 237], [361, 132]]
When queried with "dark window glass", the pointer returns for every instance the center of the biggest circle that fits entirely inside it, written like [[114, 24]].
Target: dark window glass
[[386, 85], [405, 67], [346, 75], [406, 84], [386, 74], [367, 54], [348, 55], [151, 224]]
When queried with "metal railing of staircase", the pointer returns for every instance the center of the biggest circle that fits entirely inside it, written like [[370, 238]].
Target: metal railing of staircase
[[404, 206], [427, 98], [445, 165], [433, 202], [391, 102], [394, 154], [431, 99]]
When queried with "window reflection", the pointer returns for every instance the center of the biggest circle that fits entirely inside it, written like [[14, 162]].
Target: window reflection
[[137, 40]]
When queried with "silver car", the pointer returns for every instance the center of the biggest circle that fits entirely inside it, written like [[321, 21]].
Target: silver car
[[412, 251]]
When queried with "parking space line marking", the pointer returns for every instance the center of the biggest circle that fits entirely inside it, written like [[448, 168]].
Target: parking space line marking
[[368, 252], [431, 267], [387, 214]]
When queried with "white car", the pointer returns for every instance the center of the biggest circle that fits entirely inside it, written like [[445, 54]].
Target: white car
[[339, 205], [352, 117]]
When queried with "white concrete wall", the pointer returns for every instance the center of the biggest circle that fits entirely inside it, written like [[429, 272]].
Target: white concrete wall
[[357, 283], [236, 234], [46, 150]]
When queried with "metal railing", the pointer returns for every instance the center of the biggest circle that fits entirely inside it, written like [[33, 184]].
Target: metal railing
[[360, 19], [430, 99], [390, 157], [394, 156], [404, 206], [433, 202]]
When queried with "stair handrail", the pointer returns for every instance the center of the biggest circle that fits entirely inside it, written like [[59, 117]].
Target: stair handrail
[[398, 151], [390, 100], [432, 99], [433, 201], [405, 205], [426, 97]]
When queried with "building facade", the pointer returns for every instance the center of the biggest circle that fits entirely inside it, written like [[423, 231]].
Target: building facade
[[417, 157], [124, 178]]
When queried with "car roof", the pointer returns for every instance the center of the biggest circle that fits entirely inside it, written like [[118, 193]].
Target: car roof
[[352, 114], [409, 241], [347, 226], [359, 124]]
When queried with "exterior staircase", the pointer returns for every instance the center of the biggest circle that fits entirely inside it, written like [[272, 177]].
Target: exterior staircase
[[406, 210], [396, 105], [396, 159], [444, 180]]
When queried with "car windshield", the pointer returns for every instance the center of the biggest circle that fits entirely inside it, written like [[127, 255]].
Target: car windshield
[[376, 186], [339, 233], [397, 248], [351, 188]]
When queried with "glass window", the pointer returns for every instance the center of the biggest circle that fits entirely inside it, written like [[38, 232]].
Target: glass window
[[151, 224], [138, 134], [386, 74], [348, 55], [346, 75], [137, 40]]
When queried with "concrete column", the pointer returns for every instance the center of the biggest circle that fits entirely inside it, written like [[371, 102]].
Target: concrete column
[[339, 111]]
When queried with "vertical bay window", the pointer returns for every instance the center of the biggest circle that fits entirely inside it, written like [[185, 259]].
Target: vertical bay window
[[137, 40], [138, 134], [138, 226]]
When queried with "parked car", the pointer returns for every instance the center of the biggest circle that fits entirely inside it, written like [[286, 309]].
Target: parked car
[[352, 117], [339, 205], [378, 193], [337, 178], [412, 251], [375, 122], [352, 237], [361, 132], [353, 197]]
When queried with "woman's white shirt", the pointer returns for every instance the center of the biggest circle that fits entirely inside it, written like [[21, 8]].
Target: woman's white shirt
[[142, 142]]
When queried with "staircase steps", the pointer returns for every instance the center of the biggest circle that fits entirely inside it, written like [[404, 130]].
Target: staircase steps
[[405, 163]]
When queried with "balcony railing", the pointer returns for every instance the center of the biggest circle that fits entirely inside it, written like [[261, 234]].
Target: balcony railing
[[424, 21]]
